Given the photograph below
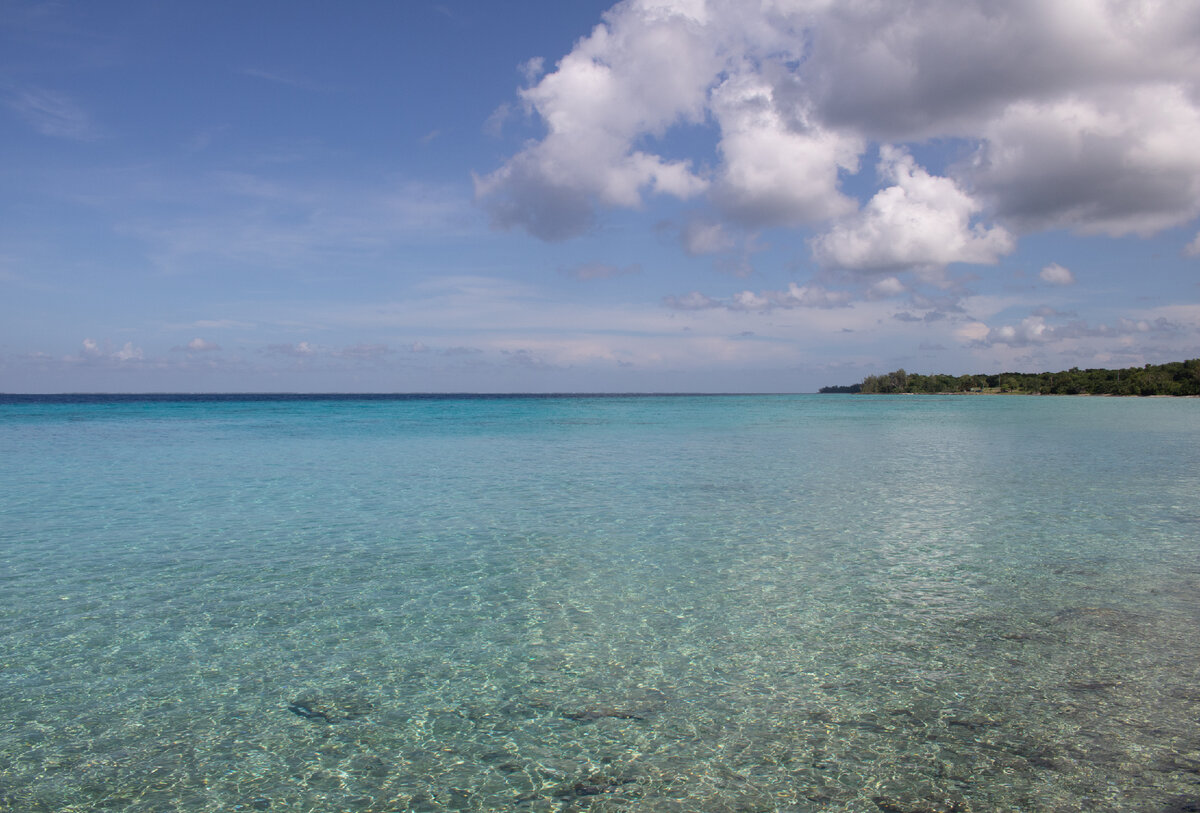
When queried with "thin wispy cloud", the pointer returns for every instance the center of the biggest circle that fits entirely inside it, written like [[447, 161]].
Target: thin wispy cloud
[[260, 220], [54, 114], [283, 78], [593, 271]]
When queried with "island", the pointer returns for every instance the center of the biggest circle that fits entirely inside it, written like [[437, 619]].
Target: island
[[1173, 378]]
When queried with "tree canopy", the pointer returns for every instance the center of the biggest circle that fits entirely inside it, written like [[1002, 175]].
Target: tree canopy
[[1173, 378]]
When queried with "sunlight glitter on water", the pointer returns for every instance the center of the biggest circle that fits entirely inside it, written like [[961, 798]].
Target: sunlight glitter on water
[[655, 604]]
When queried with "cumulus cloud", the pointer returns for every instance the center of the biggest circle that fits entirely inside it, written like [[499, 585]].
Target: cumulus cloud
[[808, 296], [92, 352], [1079, 115], [973, 332], [1035, 330], [886, 288], [1055, 274], [1116, 162], [780, 165], [1030, 330], [919, 221], [128, 353], [920, 69], [646, 67]]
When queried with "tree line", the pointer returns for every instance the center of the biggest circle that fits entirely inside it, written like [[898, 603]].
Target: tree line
[[1173, 378]]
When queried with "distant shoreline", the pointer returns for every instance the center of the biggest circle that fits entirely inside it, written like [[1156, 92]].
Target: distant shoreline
[[1173, 379], [1036, 394]]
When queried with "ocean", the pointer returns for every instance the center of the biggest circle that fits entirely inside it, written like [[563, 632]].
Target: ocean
[[614, 603]]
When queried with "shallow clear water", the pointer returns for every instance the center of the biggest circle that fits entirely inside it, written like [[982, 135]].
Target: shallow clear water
[[649, 604]]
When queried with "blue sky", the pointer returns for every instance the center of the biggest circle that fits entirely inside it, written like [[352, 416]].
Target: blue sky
[[660, 195]]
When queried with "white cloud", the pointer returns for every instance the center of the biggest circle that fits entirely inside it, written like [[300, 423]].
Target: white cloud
[[920, 221], [1030, 330], [1193, 248], [1081, 115], [781, 167], [93, 353], [1055, 274], [128, 353], [748, 301], [199, 345], [644, 69], [1112, 162], [886, 288], [912, 70], [972, 332], [809, 296], [1035, 330]]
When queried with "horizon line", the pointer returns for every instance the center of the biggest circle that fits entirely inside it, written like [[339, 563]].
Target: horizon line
[[414, 394]]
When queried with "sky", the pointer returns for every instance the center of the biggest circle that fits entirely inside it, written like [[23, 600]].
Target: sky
[[548, 196]]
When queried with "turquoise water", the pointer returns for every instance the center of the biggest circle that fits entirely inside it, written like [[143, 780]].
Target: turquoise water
[[769, 603]]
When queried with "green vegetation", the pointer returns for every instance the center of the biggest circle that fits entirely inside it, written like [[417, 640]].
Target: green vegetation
[[1174, 378]]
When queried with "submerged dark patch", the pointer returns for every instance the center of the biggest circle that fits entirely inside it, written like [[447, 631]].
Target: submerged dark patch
[[307, 713]]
